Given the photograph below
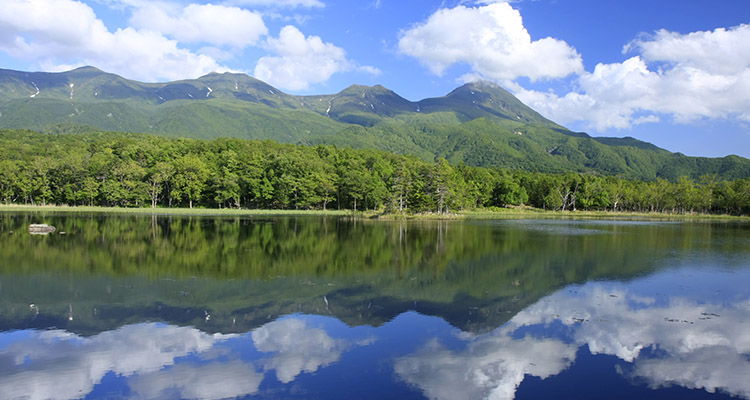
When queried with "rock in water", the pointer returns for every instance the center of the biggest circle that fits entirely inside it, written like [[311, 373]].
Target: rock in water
[[41, 229]]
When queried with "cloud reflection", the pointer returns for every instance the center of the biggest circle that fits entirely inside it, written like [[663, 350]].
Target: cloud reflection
[[699, 345], [60, 365], [162, 361], [189, 381], [490, 367], [297, 347], [690, 343]]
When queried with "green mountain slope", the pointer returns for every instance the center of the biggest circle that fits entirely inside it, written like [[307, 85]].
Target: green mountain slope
[[477, 124]]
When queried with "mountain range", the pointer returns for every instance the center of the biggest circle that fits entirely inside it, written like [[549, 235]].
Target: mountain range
[[478, 124]]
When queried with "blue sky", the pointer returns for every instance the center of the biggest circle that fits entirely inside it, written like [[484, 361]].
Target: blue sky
[[672, 72]]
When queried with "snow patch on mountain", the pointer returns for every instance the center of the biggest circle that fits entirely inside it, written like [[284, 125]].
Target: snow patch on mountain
[[37, 90]]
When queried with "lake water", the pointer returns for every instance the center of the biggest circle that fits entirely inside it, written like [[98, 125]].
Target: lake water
[[153, 307]]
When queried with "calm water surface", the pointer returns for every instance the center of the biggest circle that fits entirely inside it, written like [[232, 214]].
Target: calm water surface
[[154, 307]]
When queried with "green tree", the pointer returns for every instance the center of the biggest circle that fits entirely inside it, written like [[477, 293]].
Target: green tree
[[8, 180], [158, 179], [227, 185], [508, 191], [89, 190], [480, 185], [190, 174], [41, 179], [442, 185], [353, 180]]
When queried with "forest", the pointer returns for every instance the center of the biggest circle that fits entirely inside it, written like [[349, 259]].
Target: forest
[[138, 170]]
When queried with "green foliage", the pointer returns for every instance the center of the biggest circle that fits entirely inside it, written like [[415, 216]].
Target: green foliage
[[189, 178], [478, 124], [130, 170]]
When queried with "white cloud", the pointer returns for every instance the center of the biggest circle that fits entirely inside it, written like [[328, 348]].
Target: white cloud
[[298, 348], [697, 345], [279, 3], [491, 366], [492, 40], [202, 23], [722, 51], [223, 380], [301, 61], [369, 70], [160, 43], [701, 345], [688, 77], [60, 365], [712, 369], [58, 34]]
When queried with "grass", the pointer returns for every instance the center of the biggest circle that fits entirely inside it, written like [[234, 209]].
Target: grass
[[495, 213], [171, 211], [536, 213]]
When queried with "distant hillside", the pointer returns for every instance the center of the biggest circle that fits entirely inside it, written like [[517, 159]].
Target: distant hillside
[[478, 124]]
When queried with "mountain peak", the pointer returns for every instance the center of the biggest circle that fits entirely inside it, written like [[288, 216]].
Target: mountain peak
[[482, 87], [485, 99], [366, 90], [225, 74], [88, 68]]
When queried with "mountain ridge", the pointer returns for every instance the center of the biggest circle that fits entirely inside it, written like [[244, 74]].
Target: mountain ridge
[[95, 84], [478, 123]]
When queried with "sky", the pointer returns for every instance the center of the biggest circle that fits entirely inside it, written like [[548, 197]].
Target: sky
[[675, 73]]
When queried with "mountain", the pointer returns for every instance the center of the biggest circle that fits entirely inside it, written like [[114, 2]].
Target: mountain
[[477, 124]]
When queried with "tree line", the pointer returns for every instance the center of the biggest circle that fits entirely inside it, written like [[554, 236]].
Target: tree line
[[134, 170]]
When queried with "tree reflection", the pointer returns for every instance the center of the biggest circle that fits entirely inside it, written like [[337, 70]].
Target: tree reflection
[[116, 270]]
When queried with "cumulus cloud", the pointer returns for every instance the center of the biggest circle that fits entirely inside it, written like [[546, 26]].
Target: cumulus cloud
[[712, 369], [297, 348], [188, 381], [59, 34], [301, 61], [491, 367], [56, 364], [492, 40], [202, 23], [701, 345], [60, 365], [722, 51], [685, 76]]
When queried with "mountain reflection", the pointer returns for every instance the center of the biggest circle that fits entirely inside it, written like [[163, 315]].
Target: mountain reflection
[[114, 271], [209, 308], [663, 340]]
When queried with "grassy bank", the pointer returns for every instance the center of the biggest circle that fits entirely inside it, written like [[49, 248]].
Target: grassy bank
[[505, 213], [171, 211]]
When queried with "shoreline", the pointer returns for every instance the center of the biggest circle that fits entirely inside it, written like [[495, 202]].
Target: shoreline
[[515, 213]]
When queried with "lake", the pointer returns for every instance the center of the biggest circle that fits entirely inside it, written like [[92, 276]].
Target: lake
[[153, 307]]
